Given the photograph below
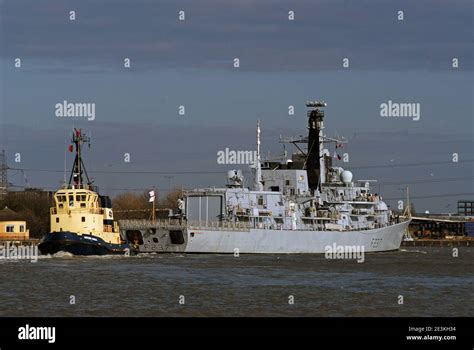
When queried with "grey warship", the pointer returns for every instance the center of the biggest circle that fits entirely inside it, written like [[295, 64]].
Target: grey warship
[[300, 205]]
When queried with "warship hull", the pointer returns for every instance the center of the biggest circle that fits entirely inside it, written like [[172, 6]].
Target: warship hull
[[264, 241]]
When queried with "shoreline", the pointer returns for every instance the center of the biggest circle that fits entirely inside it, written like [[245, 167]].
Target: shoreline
[[439, 242]]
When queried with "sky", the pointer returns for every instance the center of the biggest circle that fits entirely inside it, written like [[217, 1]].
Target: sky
[[282, 63]]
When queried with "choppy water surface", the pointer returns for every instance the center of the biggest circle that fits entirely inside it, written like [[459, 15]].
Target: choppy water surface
[[431, 281]]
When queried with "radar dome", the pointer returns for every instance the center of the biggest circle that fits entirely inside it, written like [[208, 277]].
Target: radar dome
[[235, 177], [346, 176]]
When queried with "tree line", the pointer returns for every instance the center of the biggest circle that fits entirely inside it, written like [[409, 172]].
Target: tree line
[[34, 207]]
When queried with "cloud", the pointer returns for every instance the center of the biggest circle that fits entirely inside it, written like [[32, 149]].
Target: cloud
[[257, 32]]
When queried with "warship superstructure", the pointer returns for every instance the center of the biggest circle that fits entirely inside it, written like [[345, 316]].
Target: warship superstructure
[[298, 205], [82, 221]]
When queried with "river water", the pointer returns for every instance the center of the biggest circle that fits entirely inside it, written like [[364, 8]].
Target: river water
[[409, 282]]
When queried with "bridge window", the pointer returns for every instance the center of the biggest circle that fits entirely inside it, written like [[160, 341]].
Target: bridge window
[[10, 228], [81, 197], [83, 219], [57, 220]]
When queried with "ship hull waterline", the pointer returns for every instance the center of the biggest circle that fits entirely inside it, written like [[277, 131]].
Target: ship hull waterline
[[75, 244], [263, 241]]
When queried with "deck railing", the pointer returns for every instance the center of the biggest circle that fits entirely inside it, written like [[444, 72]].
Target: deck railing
[[99, 211], [228, 225]]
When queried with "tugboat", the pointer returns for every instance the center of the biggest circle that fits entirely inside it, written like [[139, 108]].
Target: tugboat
[[82, 221]]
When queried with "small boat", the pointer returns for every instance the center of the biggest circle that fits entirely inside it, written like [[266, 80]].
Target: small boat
[[82, 221]]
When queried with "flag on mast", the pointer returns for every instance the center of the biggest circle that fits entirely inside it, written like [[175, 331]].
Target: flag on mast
[[152, 196]]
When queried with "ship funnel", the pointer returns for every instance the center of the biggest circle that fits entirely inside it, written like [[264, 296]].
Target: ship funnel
[[314, 158]]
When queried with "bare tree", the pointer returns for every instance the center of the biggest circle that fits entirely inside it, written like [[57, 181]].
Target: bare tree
[[170, 201], [129, 205], [33, 207]]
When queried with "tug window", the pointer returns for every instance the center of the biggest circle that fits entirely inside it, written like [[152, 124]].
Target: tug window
[[10, 228], [22, 228], [57, 220], [83, 219]]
